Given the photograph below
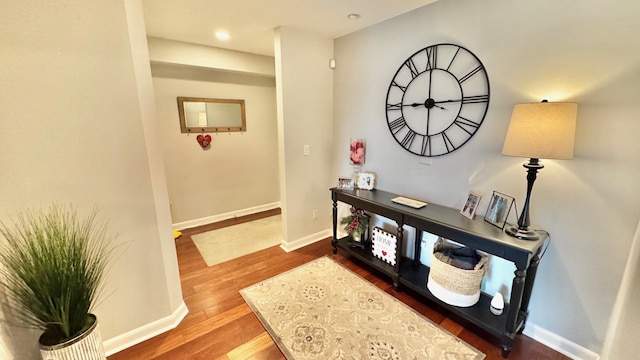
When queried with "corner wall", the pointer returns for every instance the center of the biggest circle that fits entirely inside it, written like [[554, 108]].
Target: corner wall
[[304, 84], [76, 108]]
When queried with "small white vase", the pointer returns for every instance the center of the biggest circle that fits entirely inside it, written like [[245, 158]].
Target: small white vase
[[497, 304]]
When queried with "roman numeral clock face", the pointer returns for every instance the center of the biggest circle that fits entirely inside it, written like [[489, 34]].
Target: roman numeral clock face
[[437, 100]]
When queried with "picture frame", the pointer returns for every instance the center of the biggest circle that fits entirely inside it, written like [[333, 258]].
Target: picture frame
[[366, 181], [498, 210], [471, 205], [346, 183]]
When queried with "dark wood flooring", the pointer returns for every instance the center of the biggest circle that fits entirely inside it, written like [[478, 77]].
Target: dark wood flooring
[[220, 325]]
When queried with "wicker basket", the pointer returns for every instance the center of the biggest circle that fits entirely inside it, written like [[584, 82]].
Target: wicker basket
[[455, 286]]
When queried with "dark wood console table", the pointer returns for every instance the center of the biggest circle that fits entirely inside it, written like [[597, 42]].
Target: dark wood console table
[[450, 224]]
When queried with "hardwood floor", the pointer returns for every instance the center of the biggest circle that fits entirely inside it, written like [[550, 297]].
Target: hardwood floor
[[220, 325]]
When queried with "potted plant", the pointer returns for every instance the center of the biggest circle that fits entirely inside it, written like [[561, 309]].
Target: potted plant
[[356, 224], [53, 267]]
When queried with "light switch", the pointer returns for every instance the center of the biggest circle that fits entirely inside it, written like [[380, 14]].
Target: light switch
[[306, 150]]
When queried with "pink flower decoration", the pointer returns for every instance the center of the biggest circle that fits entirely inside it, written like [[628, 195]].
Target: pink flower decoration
[[357, 152]]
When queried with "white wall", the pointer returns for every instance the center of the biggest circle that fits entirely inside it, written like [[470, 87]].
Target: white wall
[[239, 170], [532, 51], [75, 111], [621, 342], [304, 94]]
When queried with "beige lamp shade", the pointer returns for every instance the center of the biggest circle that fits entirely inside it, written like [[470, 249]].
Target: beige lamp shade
[[542, 130]]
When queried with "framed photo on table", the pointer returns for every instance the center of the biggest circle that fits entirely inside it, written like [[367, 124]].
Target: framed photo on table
[[366, 181], [345, 183], [471, 205], [498, 210]]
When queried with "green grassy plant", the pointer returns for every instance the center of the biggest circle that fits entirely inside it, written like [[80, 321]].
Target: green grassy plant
[[53, 266]]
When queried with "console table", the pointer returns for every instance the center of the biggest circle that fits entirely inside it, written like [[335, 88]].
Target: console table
[[450, 224]]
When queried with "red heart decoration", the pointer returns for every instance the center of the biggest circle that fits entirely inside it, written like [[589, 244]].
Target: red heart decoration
[[204, 140], [384, 253]]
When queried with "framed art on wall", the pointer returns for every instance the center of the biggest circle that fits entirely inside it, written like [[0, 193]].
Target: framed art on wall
[[498, 210], [357, 152], [471, 205]]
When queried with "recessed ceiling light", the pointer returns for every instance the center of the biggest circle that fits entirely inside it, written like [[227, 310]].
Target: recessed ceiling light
[[222, 35], [353, 16]]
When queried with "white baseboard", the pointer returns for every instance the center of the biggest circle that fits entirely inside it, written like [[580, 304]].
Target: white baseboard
[[297, 244], [145, 332], [230, 215], [559, 343]]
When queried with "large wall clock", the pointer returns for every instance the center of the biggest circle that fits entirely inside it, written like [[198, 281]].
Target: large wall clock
[[437, 100]]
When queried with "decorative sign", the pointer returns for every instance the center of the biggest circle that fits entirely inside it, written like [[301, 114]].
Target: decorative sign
[[384, 245]]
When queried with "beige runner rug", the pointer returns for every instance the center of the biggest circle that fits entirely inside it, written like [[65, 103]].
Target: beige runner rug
[[218, 246], [321, 310]]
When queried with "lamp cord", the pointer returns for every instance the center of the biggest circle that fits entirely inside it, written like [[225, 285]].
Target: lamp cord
[[548, 242]]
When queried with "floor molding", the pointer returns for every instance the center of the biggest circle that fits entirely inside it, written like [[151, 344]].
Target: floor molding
[[230, 215], [307, 240], [559, 343], [145, 332]]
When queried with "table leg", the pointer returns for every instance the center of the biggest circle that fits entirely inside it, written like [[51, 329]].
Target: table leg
[[417, 247], [396, 274], [517, 289], [506, 350], [528, 283], [334, 240]]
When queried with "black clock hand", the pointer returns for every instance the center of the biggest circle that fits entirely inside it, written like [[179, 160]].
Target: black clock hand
[[430, 75], [428, 113], [429, 103], [425, 105], [447, 101]]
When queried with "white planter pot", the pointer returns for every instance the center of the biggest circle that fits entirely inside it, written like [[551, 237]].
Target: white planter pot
[[86, 346]]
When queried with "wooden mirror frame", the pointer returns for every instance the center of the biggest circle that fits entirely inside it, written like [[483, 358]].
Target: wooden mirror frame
[[232, 125]]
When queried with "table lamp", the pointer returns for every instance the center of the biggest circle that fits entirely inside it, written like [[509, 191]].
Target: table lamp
[[537, 131]]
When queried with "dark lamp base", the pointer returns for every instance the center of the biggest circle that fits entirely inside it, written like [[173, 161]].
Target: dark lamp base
[[524, 234]]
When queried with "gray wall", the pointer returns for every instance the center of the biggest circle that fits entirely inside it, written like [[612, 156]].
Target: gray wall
[[547, 49]]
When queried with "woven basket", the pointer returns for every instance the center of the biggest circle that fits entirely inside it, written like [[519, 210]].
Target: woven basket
[[455, 286]]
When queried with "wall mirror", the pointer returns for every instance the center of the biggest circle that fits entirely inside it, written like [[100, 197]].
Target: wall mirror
[[199, 115]]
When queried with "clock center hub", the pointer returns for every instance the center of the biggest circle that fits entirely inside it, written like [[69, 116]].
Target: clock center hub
[[429, 103]]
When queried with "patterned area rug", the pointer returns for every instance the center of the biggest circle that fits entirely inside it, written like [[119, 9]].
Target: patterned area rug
[[218, 246], [321, 310]]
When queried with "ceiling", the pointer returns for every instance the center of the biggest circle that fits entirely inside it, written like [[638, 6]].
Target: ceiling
[[250, 23]]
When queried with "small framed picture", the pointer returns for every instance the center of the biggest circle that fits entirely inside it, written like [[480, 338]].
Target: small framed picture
[[345, 183], [366, 180], [498, 210], [471, 205]]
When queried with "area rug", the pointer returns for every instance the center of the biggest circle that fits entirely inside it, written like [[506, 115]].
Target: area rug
[[322, 310], [218, 246]]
